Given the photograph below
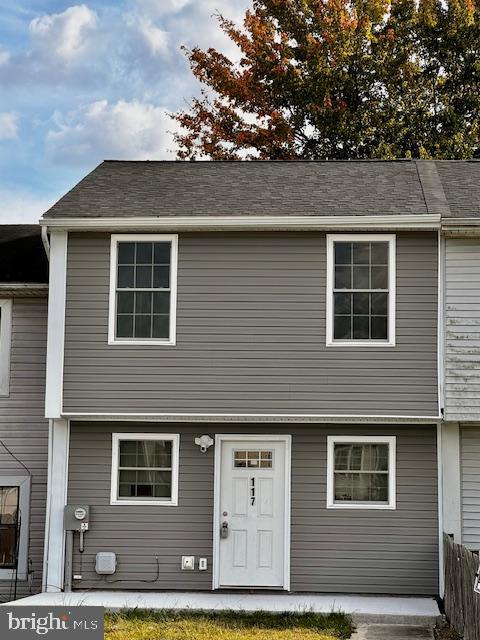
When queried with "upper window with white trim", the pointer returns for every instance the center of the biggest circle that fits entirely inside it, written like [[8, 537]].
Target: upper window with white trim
[[5, 340], [361, 290], [361, 472], [145, 468], [143, 285]]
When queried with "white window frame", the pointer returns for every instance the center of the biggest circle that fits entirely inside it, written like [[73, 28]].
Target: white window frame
[[23, 483], [5, 346], [363, 237], [116, 438], [112, 306], [392, 457]]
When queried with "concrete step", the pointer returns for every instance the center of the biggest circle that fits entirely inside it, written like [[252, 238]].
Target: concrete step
[[393, 632]]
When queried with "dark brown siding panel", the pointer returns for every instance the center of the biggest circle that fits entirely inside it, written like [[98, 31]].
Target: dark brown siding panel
[[23, 427], [331, 550], [251, 334]]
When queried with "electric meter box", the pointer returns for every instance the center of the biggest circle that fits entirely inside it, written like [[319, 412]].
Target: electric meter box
[[76, 517]]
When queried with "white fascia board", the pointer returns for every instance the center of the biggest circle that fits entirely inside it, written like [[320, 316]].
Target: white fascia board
[[56, 324], [240, 223]]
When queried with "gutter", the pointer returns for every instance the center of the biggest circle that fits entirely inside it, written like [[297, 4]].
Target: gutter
[[245, 223]]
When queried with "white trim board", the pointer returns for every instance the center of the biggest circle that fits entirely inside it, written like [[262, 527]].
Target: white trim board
[[391, 240], [239, 223], [116, 437], [56, 324], [392, 462], [219, 438], [5, 346], [254, 417], [114, 241], [58, 458]]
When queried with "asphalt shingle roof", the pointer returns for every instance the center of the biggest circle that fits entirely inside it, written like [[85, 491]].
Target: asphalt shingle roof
[[126, 189], [461, 183]]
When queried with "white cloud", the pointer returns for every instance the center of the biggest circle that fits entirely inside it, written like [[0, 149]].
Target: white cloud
[[123, 130], [17, 206], [155, 40], [65, 34], [158, 8], [8, 125], [4, 55]]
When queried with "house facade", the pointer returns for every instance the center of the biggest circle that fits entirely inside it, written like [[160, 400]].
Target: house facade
[[262, 376], [23, 427], [212, 300]]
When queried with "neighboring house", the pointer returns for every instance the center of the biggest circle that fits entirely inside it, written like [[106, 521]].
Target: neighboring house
[[461, 358], [23, 428]]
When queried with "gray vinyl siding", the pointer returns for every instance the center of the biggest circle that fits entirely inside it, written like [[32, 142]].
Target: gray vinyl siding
[[251, 334], [470, 485], [462, 310], [331, 550], [23, 427]]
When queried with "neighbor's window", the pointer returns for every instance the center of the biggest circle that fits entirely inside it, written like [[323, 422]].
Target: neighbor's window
[[361, 290], [144, 469], [143, 289], [5, 340], [9, 521], [361, 472], [14, 518]]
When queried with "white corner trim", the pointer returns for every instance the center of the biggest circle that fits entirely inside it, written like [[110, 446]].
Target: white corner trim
[[441, 511], [219, 438], [450, 479], [58, 454], [441, 326], [5, 345], [391, 239], [392, 445], [24, 485], [116, 438], [56, 324], [241, 223], [115, 239]]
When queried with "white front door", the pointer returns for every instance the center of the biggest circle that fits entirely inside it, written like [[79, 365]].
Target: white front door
[[252, 513]]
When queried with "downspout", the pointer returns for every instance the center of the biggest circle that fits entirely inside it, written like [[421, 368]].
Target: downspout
[[46, 243]]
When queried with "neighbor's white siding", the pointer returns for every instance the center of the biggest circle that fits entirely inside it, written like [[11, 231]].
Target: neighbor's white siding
[[462, 311], [470, 481]]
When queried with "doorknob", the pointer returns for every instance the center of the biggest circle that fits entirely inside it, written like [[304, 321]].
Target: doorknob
[[224, 530]]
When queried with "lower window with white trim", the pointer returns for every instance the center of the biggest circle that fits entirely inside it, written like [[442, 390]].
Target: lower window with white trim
[[361, 472], [14, 523], [145, 468]]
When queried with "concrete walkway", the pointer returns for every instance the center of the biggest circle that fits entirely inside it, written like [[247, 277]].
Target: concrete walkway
[[392, 632], [371, 609]]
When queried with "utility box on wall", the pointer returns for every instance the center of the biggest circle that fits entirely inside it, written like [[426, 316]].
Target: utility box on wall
[[76, 517]]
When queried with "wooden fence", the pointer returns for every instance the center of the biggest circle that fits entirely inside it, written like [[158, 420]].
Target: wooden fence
[[462, 604]]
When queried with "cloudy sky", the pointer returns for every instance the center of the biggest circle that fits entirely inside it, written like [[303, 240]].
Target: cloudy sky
[[84, 82]]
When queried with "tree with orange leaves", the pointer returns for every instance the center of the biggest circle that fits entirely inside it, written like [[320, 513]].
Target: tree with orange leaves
[[338, 79]]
